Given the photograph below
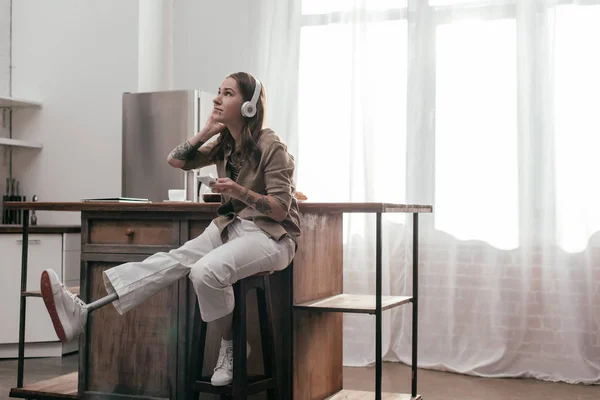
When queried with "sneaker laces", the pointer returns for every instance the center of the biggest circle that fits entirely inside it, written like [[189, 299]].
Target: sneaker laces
[[225, 358], [77, 302]]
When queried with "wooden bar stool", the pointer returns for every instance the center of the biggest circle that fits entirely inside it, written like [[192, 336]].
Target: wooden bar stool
[[242, 385]]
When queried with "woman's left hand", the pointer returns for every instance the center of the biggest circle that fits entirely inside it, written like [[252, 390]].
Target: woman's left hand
[[226, 186]]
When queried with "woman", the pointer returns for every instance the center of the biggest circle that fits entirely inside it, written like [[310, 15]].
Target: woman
[[256, 227]]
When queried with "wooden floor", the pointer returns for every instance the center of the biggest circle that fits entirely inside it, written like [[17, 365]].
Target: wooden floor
[[433, 385]]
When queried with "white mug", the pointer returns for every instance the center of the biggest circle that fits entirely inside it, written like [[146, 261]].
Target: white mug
[[176, 194]]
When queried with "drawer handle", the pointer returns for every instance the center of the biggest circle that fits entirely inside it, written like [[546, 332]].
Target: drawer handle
[[129, 232], [30, 241]]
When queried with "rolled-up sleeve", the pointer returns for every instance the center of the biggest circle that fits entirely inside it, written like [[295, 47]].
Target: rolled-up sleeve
[[200, 158], [279, 175]]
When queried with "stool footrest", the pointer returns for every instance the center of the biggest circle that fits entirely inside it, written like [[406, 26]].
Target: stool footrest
[[256, 384], [243, 384]]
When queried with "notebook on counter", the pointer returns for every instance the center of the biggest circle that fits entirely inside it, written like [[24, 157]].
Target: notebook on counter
[[117, 200]]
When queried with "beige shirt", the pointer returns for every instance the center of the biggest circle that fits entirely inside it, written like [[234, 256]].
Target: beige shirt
[[274, 177]]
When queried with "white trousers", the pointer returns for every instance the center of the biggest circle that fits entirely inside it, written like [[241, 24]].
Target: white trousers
[[213, 267]]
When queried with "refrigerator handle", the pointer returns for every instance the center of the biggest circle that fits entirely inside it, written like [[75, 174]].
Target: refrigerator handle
[[185, 185]]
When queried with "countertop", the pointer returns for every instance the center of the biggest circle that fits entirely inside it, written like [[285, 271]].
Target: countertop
[[41, 229], [304, 206]]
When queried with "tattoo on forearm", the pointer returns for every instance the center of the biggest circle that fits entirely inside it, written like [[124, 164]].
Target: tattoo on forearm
[[248, 198], [261, 204], [185, 151]]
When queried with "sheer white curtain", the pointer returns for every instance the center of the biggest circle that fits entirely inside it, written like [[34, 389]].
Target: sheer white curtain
[[352, 124], [510, 270], [278, 26], [489, 111]]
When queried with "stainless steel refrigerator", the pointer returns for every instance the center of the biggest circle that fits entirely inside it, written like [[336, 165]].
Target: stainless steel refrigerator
[[154, 123]]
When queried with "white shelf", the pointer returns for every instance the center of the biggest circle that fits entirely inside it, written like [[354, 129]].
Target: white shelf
[[11, 102], [20, 143]]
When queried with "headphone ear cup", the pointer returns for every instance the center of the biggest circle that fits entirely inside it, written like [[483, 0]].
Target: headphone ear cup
[[248, 109]]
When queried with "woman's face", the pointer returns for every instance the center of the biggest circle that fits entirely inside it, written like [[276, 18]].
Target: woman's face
[[228, 103]]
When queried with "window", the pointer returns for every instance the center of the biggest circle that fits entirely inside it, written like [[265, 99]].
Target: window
[[353, 104], [476, 177], [352, 84], [331, 6], [577, 124], [468, 2]]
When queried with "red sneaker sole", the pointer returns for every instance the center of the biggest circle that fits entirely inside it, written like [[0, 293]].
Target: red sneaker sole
[[46, 288]]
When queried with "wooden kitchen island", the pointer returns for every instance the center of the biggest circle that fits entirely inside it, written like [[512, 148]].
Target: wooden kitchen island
[[143, 354]]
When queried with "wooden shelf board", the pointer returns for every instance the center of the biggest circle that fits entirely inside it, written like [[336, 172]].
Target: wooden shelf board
[[12, 102], [256, 383], [61, 387], [353, 303], [37, 293], [361, 395], [20, 143]]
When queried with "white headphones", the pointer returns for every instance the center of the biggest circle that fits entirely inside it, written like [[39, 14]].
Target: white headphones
[[249, 107]]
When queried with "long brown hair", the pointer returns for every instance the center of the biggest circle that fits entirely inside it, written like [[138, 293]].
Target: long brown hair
[[251, 128]]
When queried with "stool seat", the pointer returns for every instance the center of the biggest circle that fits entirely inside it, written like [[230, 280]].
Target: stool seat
[[242, 385], [265, 273]]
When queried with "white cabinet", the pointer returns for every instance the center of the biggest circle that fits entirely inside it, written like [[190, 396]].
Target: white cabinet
[[58, 251]]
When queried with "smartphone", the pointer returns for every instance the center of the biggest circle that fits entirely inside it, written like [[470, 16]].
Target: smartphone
[[207, 180]]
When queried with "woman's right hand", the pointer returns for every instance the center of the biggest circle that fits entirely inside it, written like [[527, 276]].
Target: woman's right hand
[[211, 129]]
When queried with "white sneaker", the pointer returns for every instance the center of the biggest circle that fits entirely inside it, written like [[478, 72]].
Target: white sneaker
[[67, 311], [223, 373]]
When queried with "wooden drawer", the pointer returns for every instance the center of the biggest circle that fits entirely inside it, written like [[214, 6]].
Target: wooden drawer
[[196, 227], [130, 235]]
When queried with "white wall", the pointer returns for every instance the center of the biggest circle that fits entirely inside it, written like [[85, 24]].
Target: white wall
[[212, 40], [77, 58], [4, 87], [4, 45], [155, 62], [215, 39]]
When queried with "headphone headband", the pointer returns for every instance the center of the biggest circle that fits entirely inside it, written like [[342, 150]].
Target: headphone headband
[[249, 107], [256, 94]]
